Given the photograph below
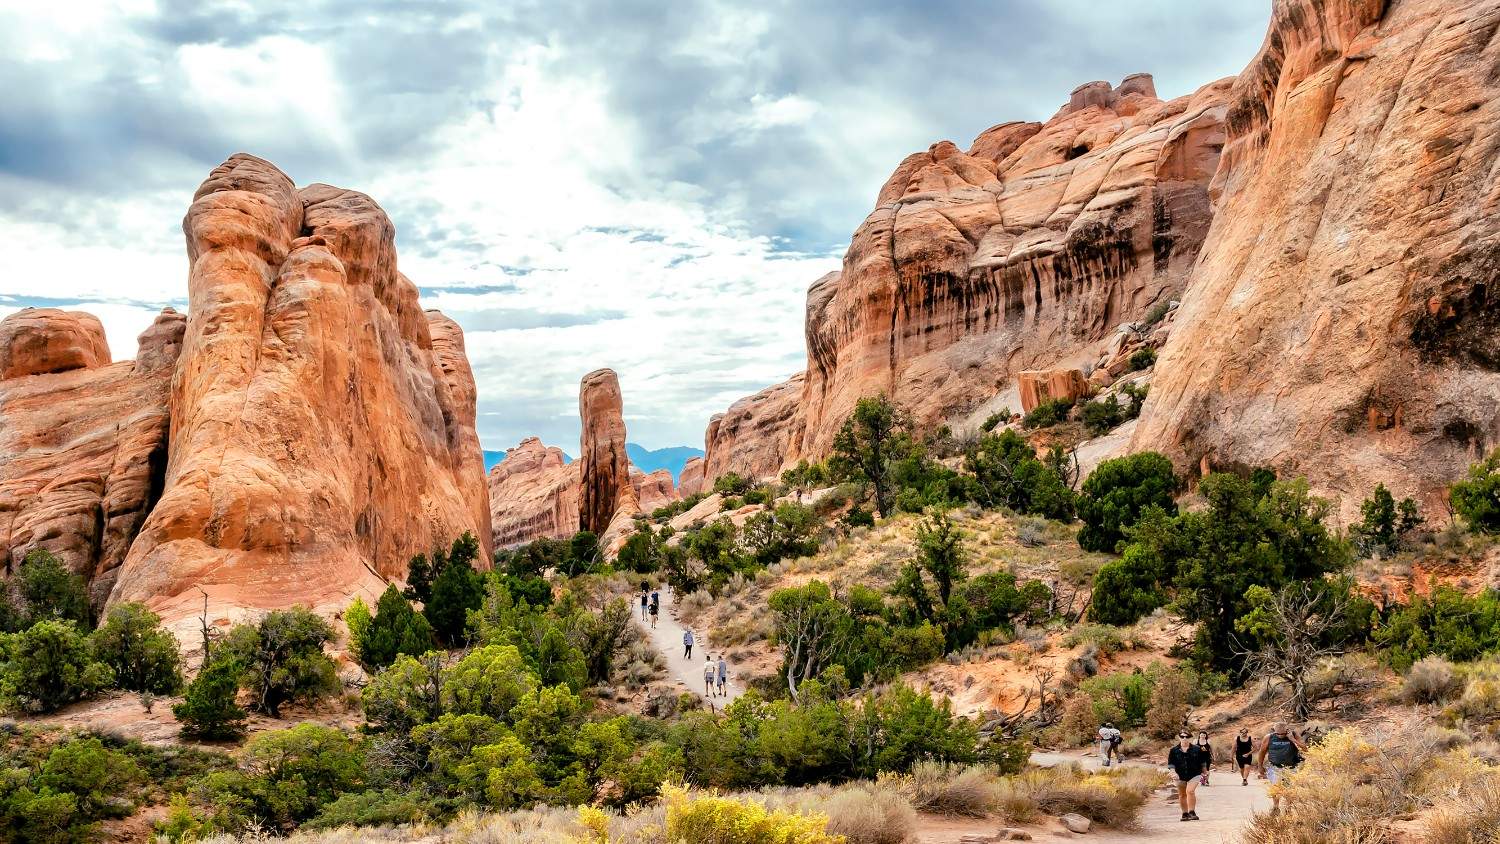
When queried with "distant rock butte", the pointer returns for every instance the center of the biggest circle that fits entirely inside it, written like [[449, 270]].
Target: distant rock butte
[[322, 425], [691, 480], [83, 442], [533, 495], [1022, 253], [653, 489], [1343, 322]]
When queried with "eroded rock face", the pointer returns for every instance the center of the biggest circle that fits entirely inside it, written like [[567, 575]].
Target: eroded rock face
[[607, 502], [1039, 385], [690, 479], [754, 437], [1342, 322], [533, 495], [322, 424], [37, 341], [1022, 253], [82, 451], [653, 489]]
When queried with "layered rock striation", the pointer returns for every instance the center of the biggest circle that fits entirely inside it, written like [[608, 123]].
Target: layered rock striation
[[533, 494], [607, 501], [322, 425], [1342, 322], [83, 441], [754, 437]]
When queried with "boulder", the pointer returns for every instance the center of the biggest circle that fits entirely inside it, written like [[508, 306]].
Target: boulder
[[1074, 822], [37, 341]]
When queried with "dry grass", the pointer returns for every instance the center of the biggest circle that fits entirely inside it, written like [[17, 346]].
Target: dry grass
[[866, 814], [1469, 817], [943, 789], [1432, 680]]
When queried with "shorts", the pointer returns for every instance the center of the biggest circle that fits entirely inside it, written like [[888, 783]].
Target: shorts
[[1274, 774], [1191, 780], [1242, 761]]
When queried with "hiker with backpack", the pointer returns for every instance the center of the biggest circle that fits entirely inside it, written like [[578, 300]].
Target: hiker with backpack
[[1283, 749], [1109, 743]]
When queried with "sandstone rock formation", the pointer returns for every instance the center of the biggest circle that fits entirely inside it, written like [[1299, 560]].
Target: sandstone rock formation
[[35, 341], [533, 494], [1342, 322], [83, 442], [606, 500], [653, 489], [1023, 252], [690, 479], [754, 437], [1039, 385], [321, 423]]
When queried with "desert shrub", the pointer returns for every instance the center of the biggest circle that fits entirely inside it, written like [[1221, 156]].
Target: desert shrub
[[357, 618], [49, 665], [60, 794], [456, 590], [859, 517], [642, 552], [1103, 636], [731, 483], [395, 629], [143, 656], [1109, 800], [1469, 816], [1156, 314], [993, 421], [949, 789], [785, 531], [1080, 722], [1431, 680], [1142, 358], [1477, 497], [1447, 622], [710, 819], [208, 708], [287, 777], [282, 658], [1047, 413], [1007, 472], [1118, 492], [1102, 415], [1127, 693], [44, 590], [384, 807], [865, 814], [1384, 524], [1169, 705], [805, 475], [1479, 703]]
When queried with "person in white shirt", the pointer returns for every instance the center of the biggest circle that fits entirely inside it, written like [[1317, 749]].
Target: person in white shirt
[[710, 671], [1109, 743]]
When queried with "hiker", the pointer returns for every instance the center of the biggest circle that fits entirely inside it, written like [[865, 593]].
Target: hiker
[[723, 676], [655, 611], [655, 598], [1186, 762], [709, 670], [1109, 742], [1207, 752], [1244, 754], [687, 644], [643, 602], [1283, 749]]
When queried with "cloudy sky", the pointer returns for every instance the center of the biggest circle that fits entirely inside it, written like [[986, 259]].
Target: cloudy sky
[[645, 186]]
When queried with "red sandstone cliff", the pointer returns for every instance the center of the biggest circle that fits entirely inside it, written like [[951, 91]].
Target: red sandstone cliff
[[1342, 322], [83, 442], [607, 501], [533, 494], [322, 426], [1024, 252]]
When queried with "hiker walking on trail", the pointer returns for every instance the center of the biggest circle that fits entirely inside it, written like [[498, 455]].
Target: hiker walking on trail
[[1186, 762], [1244, 754], [723, 676], [1109, 743], [709, 671], [643, 602], [655, 611], [1206, 749], [687, 644], [1283, 749]]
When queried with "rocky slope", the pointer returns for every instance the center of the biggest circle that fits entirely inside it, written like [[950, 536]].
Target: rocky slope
[[322, 425], [83, 442], [1023, 252], [1344, 304], [533, 495]]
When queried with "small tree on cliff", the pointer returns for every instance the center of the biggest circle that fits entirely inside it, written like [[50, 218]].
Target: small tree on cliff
[[873, 437]]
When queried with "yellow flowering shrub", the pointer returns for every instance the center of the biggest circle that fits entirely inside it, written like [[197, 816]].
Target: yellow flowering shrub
[[711, 819]]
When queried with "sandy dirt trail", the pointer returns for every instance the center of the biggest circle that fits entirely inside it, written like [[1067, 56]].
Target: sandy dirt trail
[[686, 673]]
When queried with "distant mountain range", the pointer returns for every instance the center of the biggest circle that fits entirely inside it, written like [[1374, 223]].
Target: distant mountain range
[[670, 458]]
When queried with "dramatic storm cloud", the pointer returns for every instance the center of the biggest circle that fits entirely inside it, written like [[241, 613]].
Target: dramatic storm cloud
[[645, 186]]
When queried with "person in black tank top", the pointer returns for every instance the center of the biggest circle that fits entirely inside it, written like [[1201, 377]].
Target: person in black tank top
[[1244, 754]]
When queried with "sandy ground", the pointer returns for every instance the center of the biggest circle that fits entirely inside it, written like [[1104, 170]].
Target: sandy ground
[[686, 673]]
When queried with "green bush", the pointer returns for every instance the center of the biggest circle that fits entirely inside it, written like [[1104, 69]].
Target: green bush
[[395, 629], [1047, 413], [208, 708], [1102, 415], [1129, 588], [1448, 623], [1477, 497], [143, 656], [1384, 523], [287, 777], [46, 591], [1142, 358], [994, 420], [1008, 473], [1118, 492], [60, 795], [384, 807], [457, 590], [731, 483], [780, 533], [282, 658], [49, 665]]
